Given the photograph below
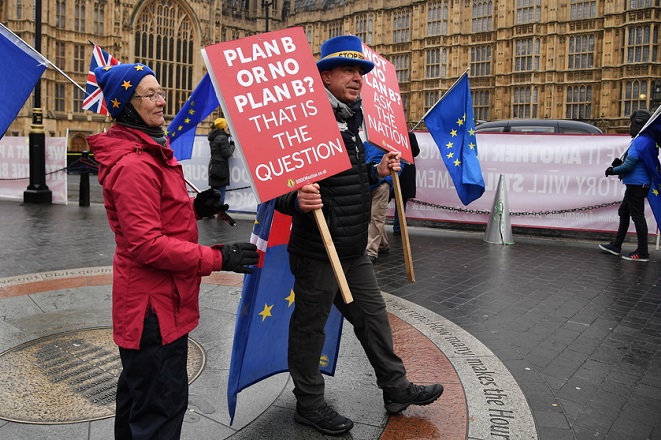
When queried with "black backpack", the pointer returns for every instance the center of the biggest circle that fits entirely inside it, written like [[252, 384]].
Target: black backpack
[[638, 120]]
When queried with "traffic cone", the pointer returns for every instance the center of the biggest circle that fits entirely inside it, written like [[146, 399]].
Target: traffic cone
[[499, 228]]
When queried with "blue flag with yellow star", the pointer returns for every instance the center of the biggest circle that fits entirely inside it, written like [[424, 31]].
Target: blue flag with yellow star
[[647, 144], [181, 131], [22, 68], [267, 301], [450, 122]]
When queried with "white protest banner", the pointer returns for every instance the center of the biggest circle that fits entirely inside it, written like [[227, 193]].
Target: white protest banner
[[385, 122], [277, 108], [552, 181], [15, 167]]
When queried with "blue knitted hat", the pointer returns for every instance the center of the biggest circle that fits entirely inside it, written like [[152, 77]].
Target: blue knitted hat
[[118, 84], [345, 50]]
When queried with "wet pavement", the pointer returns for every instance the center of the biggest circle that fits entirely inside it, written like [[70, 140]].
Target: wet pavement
[[548, 338]]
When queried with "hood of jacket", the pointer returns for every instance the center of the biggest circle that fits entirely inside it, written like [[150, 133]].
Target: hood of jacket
[[109, 147]]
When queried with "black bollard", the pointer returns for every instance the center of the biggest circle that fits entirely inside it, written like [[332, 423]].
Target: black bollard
[[84, 196]]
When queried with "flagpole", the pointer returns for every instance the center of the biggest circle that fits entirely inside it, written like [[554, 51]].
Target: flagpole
[[47, 60], [222, 214], [66, 76], [439, 100]]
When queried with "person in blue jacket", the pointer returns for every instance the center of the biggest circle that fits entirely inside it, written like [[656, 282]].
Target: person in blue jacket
[[635, 176]]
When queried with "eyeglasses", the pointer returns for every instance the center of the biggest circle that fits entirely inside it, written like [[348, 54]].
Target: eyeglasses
[[153, 96]]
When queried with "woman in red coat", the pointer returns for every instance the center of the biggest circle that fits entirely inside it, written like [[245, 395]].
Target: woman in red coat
[[158, 264]]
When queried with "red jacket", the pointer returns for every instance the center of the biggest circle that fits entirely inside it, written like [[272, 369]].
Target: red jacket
[[157, 259]]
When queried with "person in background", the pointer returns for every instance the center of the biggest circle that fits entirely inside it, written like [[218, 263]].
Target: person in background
[[377, 239], [406, 182], [345, 200], [158, 263], [635, 176], [222, 148]]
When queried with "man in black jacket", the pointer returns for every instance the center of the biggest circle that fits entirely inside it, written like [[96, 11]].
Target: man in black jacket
[[345, 201]]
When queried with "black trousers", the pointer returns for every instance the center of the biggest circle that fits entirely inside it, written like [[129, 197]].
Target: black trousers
[[152, 390], [633, 207], [316, 290]]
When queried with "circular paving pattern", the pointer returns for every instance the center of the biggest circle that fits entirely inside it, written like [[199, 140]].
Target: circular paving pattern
[[68, 377]]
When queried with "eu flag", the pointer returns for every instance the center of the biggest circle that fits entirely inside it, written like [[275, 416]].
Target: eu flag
[[450, 122], [22, 66], [647, 144], [260, 344], [181, 131]]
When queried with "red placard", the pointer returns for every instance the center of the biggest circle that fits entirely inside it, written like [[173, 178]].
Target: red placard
[[385, 122], [277, 108]]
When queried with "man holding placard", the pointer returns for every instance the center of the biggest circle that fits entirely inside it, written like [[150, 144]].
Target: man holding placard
[[344, 199]]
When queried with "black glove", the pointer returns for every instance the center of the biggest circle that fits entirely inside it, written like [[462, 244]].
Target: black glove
[[617, 162], [239, 255], [609, 171], [207, 203]]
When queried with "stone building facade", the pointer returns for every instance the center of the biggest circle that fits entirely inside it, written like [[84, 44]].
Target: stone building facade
[[589, 60]]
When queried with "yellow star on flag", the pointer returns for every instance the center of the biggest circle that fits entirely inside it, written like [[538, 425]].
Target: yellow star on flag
[[266, 312], [449, 145], [453, 133], [290, 298]]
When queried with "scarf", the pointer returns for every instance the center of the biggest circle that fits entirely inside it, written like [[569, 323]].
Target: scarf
[[130, 118]]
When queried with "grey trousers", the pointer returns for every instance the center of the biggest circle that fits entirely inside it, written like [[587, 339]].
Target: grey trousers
[[316, 290]]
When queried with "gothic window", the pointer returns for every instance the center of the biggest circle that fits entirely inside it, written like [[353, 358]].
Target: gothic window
[[402, 66], [524, 103], [635, 97], [431, 97], [482, 19], [582, 9], [642, 44], [639, 4], [526, 55], [401, 27], [79, 16], [78, 97], [481, 61], [528, 11], [579, 102], [60, 14], [480, 104], [437, 18], [99, 17], [81, 58], [433, 63], [60, 97], [581, 52], [365, 28], [164, 41], [335, 29]]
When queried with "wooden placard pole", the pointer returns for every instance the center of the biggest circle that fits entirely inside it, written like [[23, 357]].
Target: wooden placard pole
[[399, 206], [332, 256]]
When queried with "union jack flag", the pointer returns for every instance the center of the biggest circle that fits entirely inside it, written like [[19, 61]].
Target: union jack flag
[[94, 99]]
